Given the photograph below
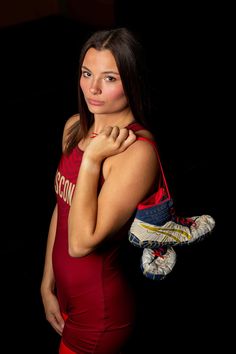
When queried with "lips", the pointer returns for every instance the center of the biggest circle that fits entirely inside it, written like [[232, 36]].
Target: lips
[[95, 102]]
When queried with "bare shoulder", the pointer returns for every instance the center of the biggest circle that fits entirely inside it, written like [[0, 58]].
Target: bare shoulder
[[141, 154], [139, 158], [69, 123], [141, 150]]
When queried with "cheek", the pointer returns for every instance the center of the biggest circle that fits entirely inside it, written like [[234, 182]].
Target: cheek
[[83, 85], [116, 94]]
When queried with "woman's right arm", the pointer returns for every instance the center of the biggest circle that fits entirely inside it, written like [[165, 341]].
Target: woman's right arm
[[50, 302]]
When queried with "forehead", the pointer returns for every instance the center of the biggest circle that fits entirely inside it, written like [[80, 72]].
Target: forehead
[[100, 60]]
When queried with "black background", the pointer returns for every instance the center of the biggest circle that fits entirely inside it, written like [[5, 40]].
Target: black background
[[187, 310]]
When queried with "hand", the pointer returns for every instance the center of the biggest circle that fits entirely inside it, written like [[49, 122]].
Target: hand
[[52, 312], [111, 141]]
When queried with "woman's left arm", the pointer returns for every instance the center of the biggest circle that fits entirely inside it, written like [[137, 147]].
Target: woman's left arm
[[132, 173]]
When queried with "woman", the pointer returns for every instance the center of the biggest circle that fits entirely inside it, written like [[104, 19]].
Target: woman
[[104, 172]]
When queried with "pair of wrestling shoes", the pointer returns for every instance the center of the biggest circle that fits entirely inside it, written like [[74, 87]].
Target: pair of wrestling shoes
[[157, 229]]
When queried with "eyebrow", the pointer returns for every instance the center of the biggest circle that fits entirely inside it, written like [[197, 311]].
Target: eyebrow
[[104, 72]]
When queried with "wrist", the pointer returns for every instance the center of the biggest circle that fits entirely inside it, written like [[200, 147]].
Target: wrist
[[91, 163]]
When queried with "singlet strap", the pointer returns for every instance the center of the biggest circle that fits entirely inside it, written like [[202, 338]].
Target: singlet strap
[[153, 143], [135, 126]]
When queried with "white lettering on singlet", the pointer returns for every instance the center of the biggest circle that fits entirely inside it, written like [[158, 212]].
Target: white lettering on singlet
[[64, 188]]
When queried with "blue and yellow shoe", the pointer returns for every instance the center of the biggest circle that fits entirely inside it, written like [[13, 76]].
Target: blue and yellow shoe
[[176, 231]]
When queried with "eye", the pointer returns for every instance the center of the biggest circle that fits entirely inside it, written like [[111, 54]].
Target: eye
[[110, 78], [85, 73]]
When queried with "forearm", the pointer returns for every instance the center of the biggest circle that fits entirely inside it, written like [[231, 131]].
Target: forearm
[[85, 222], [83, 211], [48, 281]]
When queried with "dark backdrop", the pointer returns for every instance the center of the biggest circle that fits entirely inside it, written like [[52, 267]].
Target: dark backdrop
[[38, 93]]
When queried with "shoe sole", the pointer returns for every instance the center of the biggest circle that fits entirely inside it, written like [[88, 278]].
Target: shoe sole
[[155, 244]]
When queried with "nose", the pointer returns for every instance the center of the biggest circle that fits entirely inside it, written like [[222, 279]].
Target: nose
[[95, 89]]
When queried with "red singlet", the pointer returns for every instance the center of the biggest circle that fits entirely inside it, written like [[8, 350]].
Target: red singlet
[[93, 291]]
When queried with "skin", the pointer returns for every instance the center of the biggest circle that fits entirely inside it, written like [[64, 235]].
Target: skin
[[114, 150]]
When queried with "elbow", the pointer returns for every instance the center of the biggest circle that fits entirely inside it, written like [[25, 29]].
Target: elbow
[[77, 251], [77, 246]]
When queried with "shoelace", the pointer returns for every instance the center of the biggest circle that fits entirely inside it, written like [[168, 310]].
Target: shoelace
[[159, 252], [180, 219]]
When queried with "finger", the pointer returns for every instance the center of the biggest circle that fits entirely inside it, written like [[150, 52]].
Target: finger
[[60, 320], [115, 132], [107, 130], [129, 140], [57, 322], [123, 134], [57, 327]]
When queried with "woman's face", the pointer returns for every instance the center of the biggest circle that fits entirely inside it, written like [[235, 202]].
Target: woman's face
[[101, 83]]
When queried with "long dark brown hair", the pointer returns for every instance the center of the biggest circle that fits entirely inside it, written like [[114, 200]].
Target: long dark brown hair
[[130, 60]]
